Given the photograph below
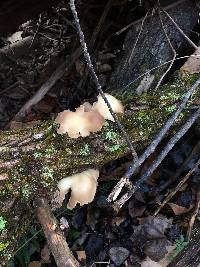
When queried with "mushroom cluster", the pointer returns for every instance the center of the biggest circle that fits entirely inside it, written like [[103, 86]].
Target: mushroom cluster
[[79, 123], [83, 187], [87, 118], [84, 120]]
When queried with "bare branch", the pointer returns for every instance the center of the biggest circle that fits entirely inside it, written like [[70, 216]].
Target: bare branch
[[180, 30], [95, 78], [118, 204], [151, 148], [137, 39], [173, 50], [55, 238], [157, 67]]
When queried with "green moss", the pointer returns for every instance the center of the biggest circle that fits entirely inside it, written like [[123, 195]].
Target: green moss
[[3, 245], [26, 191], [111, 135], [2, 223], [85, 150], [114, 148]]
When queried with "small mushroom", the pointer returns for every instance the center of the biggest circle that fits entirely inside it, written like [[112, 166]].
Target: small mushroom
[[83, 187], [101, 107], [79, 123]]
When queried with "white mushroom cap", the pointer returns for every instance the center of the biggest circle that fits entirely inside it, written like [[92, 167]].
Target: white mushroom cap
[[83, 187], [101, 107], [79, 123]]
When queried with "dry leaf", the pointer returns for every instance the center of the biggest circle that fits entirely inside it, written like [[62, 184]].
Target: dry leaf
[[149, 263], [178, 210], [118, 220], [81, 255]]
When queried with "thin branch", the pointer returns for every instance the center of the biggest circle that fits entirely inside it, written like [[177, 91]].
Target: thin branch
[[118, 204], [157, 67], [95, 78], [180, 30], [173, 51], [151, 148], [139, 20], [137, 39], [55, 238], [178, 187]]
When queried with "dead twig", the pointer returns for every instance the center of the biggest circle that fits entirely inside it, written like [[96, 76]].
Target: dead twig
[[95, 78], [180, 30], [151, 148], [140, 20], [157, 67], [55, 238], [173, 51], [178, 187], [194, 215], [118, 204], [137, 39]]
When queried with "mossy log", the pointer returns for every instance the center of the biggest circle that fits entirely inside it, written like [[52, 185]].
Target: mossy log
[[32, 160]]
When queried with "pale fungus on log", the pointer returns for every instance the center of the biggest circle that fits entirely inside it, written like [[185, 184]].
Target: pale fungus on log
[[87, 118], [83, 187], [79, 123], [101, 107]]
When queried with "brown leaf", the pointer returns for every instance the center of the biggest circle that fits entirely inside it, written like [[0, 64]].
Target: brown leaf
[[81, 256], [178, 210], [118, 220], [149, 263]]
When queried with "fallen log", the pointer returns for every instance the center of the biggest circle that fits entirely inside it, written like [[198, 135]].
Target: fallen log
[[32, 160]]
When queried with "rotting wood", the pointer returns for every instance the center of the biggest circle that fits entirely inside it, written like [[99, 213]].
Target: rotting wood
[[54, 236], [34, 159]]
